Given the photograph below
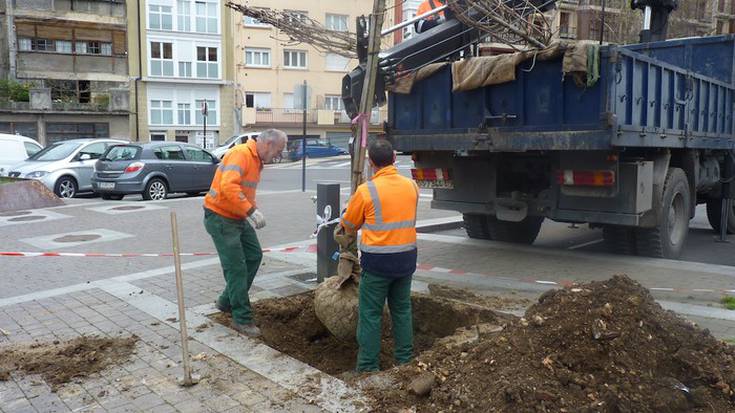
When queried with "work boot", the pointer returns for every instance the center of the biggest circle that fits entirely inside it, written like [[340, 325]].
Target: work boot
[[250, 330], [222, 308]]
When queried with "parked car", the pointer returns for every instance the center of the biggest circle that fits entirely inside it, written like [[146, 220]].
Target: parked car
[[154, 170], [314, 149], [65, 167], [222, 149], [15, 149]]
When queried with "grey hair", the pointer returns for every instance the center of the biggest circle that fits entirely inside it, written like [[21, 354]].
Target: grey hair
[[273, 135]]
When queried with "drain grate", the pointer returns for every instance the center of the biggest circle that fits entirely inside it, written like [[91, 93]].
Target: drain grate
[[31, 218], [127, 208], [306, 277], [77, 238]]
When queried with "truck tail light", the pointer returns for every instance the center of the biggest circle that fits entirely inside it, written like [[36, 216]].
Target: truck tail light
[[570, 177], [433, 178], [134, 167]]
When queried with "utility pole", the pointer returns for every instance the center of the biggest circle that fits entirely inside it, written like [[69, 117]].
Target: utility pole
[[12, 43], [368, 94]]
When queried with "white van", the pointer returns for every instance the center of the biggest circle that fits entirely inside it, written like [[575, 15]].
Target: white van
[[15, 149]]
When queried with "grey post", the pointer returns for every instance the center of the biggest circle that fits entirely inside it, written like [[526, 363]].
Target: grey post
[[326, 246], [728, 174]]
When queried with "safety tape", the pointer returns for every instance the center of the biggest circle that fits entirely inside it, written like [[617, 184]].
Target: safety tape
[[309, 248], [566, 283]]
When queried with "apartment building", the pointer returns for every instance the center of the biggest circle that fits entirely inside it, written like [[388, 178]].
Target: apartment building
[[65, 62], [181, 61], [269, 70]]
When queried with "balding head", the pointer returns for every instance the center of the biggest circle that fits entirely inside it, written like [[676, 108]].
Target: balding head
[[271, 143]]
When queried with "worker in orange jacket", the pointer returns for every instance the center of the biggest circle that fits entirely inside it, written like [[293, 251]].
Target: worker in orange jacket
[[230, 212], [385, 209], [430, 21]]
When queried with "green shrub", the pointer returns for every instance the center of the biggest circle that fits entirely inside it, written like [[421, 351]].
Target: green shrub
[[13, 91]]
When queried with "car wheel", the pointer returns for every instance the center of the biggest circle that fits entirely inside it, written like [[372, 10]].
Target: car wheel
[[156, 190], [66, 187]]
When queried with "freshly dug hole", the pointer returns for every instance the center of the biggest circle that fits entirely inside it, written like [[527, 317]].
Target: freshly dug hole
[[290, 325]]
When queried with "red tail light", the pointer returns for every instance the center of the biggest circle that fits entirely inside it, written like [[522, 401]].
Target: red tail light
[[134, 167], [585, 178]]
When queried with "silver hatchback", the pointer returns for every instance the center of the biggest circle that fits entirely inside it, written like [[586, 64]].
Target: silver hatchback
[[65, 167]]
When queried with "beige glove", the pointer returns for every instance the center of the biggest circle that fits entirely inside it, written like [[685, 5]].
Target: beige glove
[[257, 219]]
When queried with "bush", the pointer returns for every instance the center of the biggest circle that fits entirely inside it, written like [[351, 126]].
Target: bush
[[13, 91]]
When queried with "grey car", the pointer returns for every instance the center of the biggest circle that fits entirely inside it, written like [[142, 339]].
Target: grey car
[[65, 167], [154, 170]]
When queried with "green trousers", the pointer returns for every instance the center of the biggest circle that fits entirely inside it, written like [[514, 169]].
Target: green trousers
[[240, 255], [374, 290]]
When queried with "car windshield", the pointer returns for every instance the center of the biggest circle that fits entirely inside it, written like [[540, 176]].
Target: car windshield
[[122, 153], [56, 151], [229, 141]]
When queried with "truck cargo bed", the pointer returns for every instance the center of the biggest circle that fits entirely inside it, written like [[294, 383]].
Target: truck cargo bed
[[655, 95]]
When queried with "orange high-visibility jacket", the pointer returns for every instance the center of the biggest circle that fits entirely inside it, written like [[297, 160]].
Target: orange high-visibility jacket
[[385, 209], [232, 193], [428, 6]]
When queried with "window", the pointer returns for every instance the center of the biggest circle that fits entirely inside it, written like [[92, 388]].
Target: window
[[43, 45], [184, 69], [294, 59], [161, 112], [160, 17], [170, 153], [158, 137], [80, 47], [63, 46], [31, 148], [207, 62], [106, 49], [211, 112], [336, 22], [249, 21], [288, 102], [333, 102], [24, 44], [337, 63], [258, 57], [94, 150], [162, 63], [183, 17], [182, 138], [206, 16], [297, 15], [94, 47], [258, 100], [184, 114], [198, 155]]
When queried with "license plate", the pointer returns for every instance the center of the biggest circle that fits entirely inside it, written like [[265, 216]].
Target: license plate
[[107, 185]]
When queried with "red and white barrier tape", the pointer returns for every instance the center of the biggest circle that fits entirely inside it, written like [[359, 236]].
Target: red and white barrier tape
[[309, 248]]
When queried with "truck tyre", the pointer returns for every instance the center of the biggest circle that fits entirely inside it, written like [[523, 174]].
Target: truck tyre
[[620, 239], [667, 238], [476, 226], [714, 214], [523, 232]]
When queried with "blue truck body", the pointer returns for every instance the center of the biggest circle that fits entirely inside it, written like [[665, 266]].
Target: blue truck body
[[658, 124]]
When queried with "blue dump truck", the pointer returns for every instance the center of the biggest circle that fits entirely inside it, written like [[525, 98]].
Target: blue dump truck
[[633, 148]]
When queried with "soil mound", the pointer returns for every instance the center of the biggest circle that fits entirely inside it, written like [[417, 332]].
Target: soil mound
[[598, 347], [61, 362]]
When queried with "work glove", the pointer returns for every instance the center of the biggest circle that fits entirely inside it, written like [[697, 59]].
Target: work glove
[[257, 219]]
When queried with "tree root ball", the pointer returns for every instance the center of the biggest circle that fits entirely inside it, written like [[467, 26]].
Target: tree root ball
[[337, 308]]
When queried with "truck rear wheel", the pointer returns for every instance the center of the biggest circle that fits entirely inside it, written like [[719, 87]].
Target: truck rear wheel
[[620, 239], [476, 226], [714, 215], [667, 238], [523, 232]]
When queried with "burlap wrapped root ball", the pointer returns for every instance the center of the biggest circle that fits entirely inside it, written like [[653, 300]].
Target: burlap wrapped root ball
[[337, 307]]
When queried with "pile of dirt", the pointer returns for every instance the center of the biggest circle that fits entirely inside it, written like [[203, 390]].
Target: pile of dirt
[[61, 362], [291, 326], [490, 301], [598, 347]]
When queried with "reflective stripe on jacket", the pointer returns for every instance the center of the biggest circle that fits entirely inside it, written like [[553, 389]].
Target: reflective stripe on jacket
[[232, 194], [385, 209]]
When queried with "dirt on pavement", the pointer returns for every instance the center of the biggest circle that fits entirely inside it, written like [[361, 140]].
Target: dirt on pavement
[[598, 347], [291, 326], [62, 362]]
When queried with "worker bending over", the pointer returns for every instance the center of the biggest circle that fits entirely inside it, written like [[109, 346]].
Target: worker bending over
[[430, 21], [385, 209], [228, 206]]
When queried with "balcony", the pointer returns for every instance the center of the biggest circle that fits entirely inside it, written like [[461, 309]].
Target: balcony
[[44, 65], [117, 100], [295, 117], [567, 32]]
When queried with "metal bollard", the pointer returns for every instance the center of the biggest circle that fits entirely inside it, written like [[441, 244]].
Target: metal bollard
[[326, 246]]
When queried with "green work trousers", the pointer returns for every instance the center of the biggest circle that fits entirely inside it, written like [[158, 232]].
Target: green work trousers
[[240, 255], [374, 290]]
